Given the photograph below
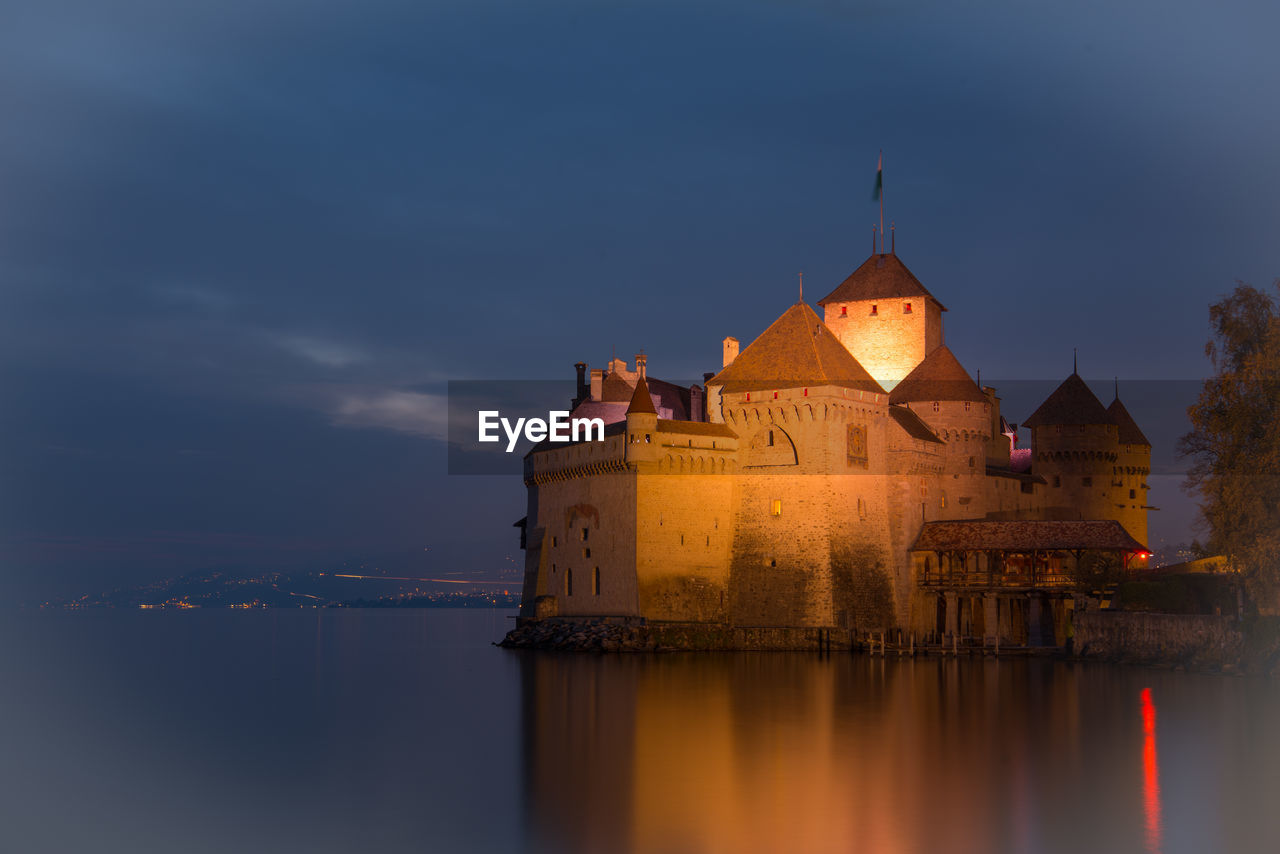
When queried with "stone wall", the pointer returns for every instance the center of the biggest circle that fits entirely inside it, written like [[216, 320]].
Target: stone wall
[[1173, 639]]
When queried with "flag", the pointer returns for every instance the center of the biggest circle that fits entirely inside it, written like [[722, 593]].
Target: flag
[[875, 194]]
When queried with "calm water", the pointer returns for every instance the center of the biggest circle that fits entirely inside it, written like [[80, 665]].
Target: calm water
[[405, 731]]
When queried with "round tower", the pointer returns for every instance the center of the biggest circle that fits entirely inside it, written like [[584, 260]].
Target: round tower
[[1075, 448]]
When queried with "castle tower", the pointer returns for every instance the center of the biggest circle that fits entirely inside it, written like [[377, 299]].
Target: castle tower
[[885, 318], [941, 392], [811, 521], [1075, 447], [1129, 481]]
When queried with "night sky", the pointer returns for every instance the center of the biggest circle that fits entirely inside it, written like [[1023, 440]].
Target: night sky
[[243, 247]]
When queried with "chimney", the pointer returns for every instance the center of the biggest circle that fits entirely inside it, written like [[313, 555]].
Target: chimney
[[597, 384], [581, 368], [696, 407], [730, 351]]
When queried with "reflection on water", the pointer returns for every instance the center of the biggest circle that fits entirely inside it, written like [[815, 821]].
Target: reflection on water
[[407, 731], [759, 752], [1150, 773]]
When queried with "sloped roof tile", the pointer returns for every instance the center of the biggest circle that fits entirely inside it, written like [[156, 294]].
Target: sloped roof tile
[[1071, 403], [796, 350], [879, 277], [939, 377]]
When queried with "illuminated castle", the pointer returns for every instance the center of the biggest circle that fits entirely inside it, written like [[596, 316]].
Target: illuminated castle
[[841, 473]]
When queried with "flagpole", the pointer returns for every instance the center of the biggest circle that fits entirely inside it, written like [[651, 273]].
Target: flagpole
[[881, 171]]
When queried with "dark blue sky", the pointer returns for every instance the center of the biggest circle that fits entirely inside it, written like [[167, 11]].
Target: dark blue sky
[[243, 246]]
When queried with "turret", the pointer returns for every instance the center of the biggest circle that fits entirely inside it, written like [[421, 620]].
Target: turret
[[642, 425]]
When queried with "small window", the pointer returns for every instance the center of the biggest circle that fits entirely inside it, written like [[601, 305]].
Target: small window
[[1133, 493], [586, 532], [1057, 481], [844, 311], [973, 462], [553, 542], [595, 582], [1087, 481], [682, 539], [906, 308], [936, 407], [568, 582], [875, 309], [966, 406], [770, 442], [586, 552], [775, 507], [708, 539]]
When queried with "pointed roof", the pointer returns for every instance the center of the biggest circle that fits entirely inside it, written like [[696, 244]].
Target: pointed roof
[[939, 377], [796, 350], [1071, 403], [1130, 433], [641, 402], [879, 277]]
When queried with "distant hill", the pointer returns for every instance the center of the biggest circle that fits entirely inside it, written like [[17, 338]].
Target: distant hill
[[222, 589]]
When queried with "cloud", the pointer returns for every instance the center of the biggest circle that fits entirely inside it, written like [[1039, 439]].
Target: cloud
[[413, 412], [330, 354]]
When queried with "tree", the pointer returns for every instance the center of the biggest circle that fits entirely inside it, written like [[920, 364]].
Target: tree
[[1234, 446]]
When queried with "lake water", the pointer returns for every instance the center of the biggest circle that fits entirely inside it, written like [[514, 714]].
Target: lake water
[[406, 731]]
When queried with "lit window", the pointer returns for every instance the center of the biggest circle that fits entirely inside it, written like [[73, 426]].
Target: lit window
[[844, 311], [875, 309], [906, 308], [775, 507]]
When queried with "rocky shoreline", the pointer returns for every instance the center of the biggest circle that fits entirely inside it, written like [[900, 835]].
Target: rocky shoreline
[[582, 636]]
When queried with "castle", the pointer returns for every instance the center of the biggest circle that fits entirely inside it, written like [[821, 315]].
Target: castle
[[841, 473]]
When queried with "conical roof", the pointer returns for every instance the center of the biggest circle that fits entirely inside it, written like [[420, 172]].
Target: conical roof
[[1130, 433], [796, 350], [879, 277], [939, 377], [641, 401], [1071, 403]]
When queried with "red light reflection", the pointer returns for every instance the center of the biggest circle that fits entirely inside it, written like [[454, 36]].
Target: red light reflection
[[1150, 774]]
